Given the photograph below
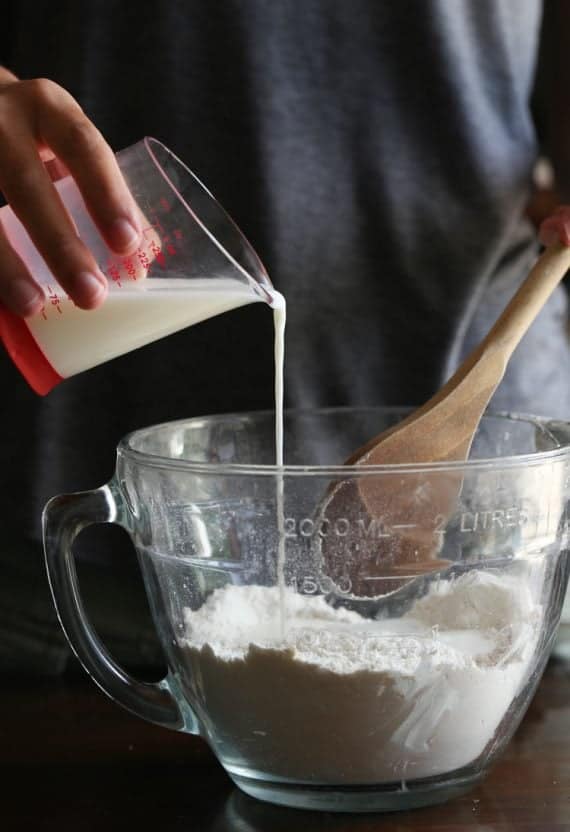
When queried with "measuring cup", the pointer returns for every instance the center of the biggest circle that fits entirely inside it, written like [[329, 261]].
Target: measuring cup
[[310, 691], [193, 263]]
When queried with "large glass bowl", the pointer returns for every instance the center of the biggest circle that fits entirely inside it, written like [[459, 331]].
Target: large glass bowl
[[345, 661]]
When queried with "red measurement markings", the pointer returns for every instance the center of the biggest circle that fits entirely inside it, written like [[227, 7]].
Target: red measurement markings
[[114, 272], [167, 241], [178, 235], [157, 252], [153, 244], [143, 258], [166, 245], [54, 299], [130, 267]]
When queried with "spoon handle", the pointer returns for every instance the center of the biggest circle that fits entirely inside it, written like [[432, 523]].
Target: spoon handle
[[531, 296], [476, 379], [444, 426]]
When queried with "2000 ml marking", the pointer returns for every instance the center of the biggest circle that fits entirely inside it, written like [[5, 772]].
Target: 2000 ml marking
[[364, 527], [469, 522]]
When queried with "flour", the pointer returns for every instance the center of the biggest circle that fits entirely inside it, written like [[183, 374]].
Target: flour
[[341, 698]]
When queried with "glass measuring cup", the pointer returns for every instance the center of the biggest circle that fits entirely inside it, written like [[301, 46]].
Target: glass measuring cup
[[310, 692], [193, 263]]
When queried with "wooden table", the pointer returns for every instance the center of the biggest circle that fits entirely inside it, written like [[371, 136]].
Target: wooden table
[[72, 760]]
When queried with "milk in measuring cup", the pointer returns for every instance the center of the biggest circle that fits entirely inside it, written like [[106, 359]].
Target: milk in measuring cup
[[64, 340], [179, 275], [74, 339]]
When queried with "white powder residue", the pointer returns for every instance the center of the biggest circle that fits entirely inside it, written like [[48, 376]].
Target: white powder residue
[[344, 699], [478, 600]]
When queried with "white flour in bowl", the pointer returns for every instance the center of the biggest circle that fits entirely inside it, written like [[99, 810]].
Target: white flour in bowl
[[343, 699]]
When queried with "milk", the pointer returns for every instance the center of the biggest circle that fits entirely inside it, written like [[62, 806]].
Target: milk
[[73, 339], [279, 318]]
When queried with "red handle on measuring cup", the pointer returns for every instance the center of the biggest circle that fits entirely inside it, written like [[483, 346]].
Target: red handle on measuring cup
[[25, 353]]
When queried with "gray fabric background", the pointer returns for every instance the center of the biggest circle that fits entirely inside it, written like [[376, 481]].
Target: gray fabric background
[[378, 155]]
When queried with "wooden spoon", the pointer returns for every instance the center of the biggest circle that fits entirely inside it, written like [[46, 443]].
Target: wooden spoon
[[382, 531]]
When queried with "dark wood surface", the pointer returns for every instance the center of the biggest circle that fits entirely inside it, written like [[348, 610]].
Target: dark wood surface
[[71, 759]]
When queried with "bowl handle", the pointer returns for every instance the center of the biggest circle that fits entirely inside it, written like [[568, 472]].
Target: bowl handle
[[63, 518]]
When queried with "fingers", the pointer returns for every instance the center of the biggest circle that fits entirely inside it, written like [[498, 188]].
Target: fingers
[[29, 190], [44, 134], [56, 169], [20, 293], [556, 228], [77, 143]]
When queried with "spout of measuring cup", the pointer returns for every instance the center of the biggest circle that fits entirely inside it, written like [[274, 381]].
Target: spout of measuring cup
[[22, 348], [253, 269], [264, 288]]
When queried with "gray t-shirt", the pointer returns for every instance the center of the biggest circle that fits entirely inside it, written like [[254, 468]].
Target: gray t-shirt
[[378, 155]]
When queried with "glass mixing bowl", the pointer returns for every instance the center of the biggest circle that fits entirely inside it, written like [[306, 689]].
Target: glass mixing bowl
[[328, 664]]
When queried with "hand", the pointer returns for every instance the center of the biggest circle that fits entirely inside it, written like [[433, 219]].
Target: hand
[[556, 228], [44, 131]]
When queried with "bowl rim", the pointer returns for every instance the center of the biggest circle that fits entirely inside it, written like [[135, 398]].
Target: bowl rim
[[126, 450]]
